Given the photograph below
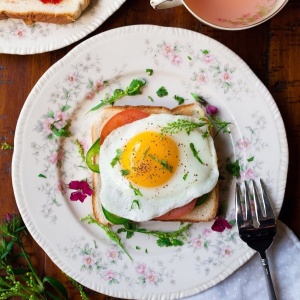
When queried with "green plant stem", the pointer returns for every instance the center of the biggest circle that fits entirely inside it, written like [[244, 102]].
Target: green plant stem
[[40, 284]]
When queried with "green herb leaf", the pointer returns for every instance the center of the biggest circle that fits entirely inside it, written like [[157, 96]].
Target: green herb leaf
[[233, 168], [135, 87], [195, 153], [116, 159], [179, 99], [162, 162], [149, 72], [250, 159], [42, 176], [162, 92], [185, 176]]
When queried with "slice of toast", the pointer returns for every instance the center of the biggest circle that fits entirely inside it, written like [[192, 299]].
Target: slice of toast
[[202, 213], [31, 11]]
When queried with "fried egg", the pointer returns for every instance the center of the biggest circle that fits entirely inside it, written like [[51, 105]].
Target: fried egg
[[145, 174]]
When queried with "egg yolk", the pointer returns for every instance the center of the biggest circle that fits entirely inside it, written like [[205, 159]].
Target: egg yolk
[[150, 159]]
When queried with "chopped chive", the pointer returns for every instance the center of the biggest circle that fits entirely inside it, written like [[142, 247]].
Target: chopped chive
[[137, 192], [124, 172], [149, 72], [185, 175], [195, 152], [135, 203], [163, 162]]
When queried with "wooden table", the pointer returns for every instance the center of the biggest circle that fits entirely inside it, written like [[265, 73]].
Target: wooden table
[[272, 51]]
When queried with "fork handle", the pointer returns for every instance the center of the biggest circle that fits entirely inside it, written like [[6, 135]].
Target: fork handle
[[271, 291]]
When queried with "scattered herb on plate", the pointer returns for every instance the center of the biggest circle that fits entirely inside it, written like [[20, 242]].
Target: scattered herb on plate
[[162, 92]]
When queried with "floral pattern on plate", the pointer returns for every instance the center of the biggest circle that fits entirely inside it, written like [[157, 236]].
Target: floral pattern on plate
[[19, 38], [56, 117]]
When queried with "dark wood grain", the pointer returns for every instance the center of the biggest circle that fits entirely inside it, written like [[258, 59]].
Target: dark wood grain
[[272, 51]]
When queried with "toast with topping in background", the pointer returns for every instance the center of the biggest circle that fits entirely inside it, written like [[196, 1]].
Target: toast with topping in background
[[49, 11]]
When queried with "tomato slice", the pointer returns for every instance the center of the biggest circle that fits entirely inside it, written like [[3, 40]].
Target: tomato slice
[[175, 213], [122, 118]]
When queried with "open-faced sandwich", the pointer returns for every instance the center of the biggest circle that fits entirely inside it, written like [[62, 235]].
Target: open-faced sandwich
[[49, 11], [154, 163]]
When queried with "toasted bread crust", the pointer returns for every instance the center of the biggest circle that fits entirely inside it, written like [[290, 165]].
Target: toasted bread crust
[[202, 213], [43, 14]]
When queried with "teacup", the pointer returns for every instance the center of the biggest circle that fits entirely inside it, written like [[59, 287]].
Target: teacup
[[227, 14]]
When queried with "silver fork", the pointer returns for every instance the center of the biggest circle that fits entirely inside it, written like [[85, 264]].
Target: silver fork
[[259, 228]]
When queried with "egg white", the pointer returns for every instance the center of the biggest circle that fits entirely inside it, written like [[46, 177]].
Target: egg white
[[117, 196]]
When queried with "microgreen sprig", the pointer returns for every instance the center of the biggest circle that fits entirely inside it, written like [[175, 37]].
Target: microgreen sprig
[[109, 232], [189, 126], [134, 88], [182, 125], [116, 159], [164, 239]]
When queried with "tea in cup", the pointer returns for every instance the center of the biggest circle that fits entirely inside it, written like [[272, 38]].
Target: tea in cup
[[227, 14]]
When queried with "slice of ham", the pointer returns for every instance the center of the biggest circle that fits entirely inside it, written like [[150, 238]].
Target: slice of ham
[[176, 213]]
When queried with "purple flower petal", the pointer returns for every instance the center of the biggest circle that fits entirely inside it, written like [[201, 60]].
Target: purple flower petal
[[84, 186], [83, 189], [211, 110], [220, 225], [74, 185], [77, 196], [87, 190]]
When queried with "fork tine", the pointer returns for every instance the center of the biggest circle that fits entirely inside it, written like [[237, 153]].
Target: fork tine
[[269, 213], [238, 205], [248, 212], [259, 213]]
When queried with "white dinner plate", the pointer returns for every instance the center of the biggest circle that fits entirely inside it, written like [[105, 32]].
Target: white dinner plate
[[184, 62], [18, 38]]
